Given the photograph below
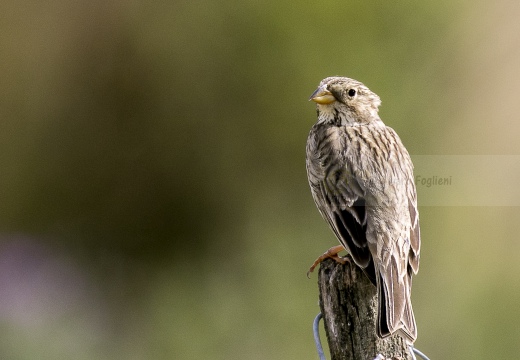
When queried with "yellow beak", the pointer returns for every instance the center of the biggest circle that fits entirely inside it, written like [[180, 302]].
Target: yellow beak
[[322, 96]]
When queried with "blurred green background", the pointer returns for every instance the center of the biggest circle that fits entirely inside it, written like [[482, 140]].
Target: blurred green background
[[153, 196]]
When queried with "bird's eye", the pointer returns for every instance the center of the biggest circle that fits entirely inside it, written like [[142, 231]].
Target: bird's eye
[[351, 92]]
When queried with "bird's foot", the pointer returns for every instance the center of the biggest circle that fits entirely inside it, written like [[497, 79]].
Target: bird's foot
[[332, 253]]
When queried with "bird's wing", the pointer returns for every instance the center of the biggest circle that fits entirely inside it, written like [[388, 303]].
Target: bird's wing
[[349, 225], [415, 233], [393, 236], [339, 196]]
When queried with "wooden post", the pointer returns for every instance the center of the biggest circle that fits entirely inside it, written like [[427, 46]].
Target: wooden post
[[348, 302]]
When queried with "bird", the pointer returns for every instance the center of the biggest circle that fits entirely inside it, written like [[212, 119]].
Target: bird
[[361, 180]]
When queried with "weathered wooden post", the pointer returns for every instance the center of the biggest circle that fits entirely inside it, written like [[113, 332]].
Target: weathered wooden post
[[348, 302]]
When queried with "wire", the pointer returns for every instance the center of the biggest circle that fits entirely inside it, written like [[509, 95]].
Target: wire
[[316, 331], [419, 353], [321, 354]]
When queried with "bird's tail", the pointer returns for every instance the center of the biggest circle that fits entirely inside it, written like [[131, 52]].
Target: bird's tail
[[395, 305]]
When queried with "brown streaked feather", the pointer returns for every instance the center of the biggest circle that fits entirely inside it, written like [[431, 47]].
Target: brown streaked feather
[[361, 179], [415, 240], [395, 304], [352, 236]]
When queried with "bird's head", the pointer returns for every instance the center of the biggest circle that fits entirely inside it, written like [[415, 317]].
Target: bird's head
[[345, 101]]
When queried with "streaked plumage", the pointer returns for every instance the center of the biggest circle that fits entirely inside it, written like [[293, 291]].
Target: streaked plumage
[[361, 179]]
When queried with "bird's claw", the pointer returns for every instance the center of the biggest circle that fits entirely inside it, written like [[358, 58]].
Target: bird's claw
[[332, 253]]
